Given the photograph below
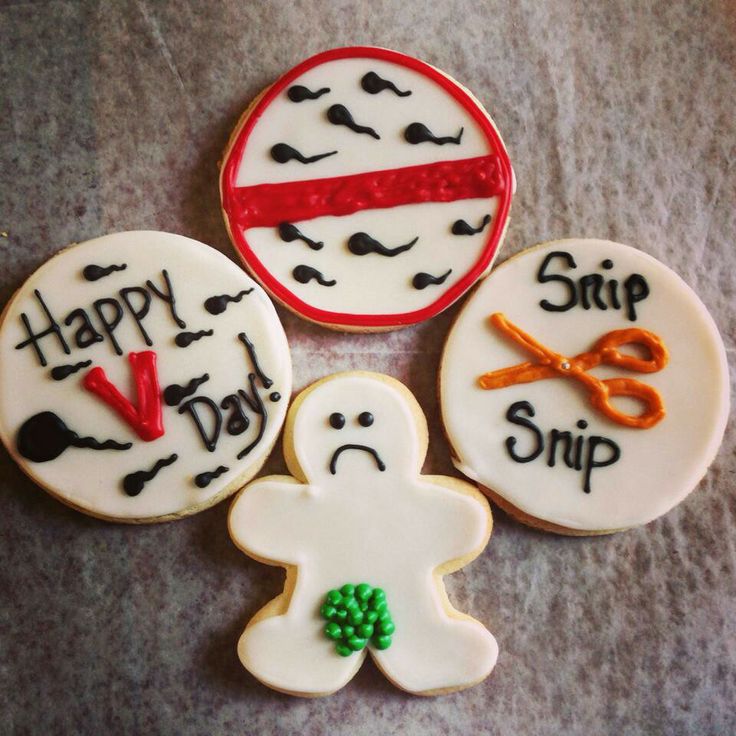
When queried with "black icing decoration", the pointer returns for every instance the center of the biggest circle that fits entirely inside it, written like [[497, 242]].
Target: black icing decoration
[[95, 273], [360, 244], [204, 479], [208, 438], [275, 396], [175, 394], [256, 404], [299, 93], [238, 421], [373, 84], [304, 274], [423, 280], [185, 339], [133, 483], [365, 419], [44, 437], [60, 372], [168, 297], [289, 233], [340, 115], [420, 133], [218, 304], [337, 420], [460, 227], [607, 264], [265, 380], [34, 337], [283, 153], [85, 334], [333, 462]]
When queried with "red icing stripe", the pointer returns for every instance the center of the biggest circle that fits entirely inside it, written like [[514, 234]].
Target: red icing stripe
[[268, 205]]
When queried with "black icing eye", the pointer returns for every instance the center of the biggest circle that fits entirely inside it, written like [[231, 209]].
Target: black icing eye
[[337, 420], [365, 419]]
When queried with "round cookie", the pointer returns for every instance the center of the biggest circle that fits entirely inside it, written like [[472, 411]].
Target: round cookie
[[365, 540], [584, 386], [366, 190], [143, 377]]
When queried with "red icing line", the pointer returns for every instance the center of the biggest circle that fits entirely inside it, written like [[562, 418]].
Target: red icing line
[[146, 419], [503, 175], [268, 205]]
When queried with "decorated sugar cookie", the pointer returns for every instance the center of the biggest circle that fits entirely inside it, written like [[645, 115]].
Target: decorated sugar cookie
[[365, 540], [366, 190], [584, 386], [143, 377]]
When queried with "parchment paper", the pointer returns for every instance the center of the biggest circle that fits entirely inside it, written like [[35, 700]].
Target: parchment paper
[[619, 117]]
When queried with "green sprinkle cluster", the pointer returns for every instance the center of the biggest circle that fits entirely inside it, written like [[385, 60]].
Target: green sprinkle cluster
[[357, 615]]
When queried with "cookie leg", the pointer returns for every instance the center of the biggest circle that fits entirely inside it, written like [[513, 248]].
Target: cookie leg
[[292, 655], [432, 652]]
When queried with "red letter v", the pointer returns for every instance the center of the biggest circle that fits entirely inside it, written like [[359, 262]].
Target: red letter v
[[146, 419]]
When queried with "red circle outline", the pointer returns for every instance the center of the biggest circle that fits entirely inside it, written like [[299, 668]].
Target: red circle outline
[[278, 289]]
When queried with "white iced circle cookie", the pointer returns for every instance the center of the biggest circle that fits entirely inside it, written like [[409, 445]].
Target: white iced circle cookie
[[365, 540], [585, 386], [144, 376], [366, 190]]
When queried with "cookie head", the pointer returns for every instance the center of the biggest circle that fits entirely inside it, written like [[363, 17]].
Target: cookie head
[[356, 427], [366, 190]]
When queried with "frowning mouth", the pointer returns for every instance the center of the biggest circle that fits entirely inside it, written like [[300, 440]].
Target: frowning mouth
[[333, 463]]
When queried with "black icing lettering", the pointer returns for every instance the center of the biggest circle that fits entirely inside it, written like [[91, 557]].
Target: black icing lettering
[[167, 295], [543, 277], [85, 334], [591, 462], [209, 438], [142, 310], [613, 294], [555, 437], [255, 402], [34, 338], [110, 321], [593, 281], [636, 289], [250, 348], [238, 420], [512, 415]]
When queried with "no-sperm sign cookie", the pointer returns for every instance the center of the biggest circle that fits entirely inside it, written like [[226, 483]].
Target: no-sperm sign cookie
[[143, 377], [585, 387], [366, 190]]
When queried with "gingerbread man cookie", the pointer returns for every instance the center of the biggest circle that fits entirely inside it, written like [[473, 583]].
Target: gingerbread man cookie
[[365, 540], [366, 190]]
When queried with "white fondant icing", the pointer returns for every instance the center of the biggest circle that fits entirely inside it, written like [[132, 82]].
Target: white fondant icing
[[92, 480], [658, 466], [391, 529]]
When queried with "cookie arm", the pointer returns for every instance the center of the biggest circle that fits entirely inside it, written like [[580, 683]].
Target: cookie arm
[[459, 521], [267, 519]]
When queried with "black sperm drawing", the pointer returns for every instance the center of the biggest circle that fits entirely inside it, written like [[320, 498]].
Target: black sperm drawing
[[283, 153], [45, 436], [420, 133]]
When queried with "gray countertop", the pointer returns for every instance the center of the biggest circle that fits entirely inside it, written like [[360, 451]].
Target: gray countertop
[[619, 118]]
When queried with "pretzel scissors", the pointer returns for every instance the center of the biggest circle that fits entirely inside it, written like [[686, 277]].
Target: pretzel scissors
[[549, 364]]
